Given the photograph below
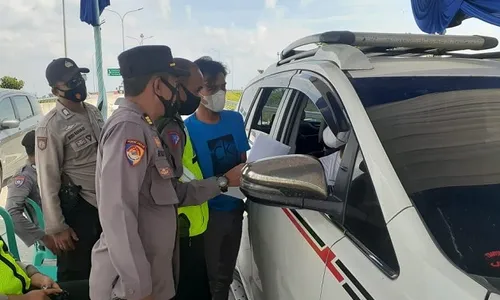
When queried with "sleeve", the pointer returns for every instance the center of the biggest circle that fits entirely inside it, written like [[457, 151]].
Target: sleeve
[[122, 171], [240, 134], [18, 190], [29, 269], [49, 158], [196, 192]]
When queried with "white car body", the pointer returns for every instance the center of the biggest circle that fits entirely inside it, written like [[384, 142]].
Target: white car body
[[289, 254]]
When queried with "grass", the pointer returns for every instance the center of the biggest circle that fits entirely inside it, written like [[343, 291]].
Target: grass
[[233, 95]]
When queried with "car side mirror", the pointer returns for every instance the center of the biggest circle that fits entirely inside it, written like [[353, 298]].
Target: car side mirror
[[9, 124], [296, 181]]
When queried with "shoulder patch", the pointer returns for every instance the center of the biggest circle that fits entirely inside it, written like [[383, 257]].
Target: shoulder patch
[[41, 142], [134, 151], [19, 180], [174, 137]]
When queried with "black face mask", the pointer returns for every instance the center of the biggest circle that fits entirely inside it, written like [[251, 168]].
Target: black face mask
[[77, 94], [189, 106], [171, 106]]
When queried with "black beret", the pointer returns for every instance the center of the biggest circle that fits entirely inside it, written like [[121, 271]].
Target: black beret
[[146, 60]]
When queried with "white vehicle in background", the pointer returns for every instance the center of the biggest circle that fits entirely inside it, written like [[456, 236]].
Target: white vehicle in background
[[414, 212]]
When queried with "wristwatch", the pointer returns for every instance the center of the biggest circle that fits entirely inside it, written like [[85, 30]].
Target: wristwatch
[[223, 183]]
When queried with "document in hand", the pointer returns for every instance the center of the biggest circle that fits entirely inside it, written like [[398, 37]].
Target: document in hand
[[265, 146]]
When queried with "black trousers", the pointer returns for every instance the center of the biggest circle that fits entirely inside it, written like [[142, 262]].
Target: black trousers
[[193, 279], [222, 244], [76, 264]]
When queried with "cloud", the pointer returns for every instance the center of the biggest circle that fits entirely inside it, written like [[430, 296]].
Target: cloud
[[165, 8], [31, 32], [188, 12], [305, 3], [270, 3]]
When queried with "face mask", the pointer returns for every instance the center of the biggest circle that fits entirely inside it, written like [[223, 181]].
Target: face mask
[[77, 94], [215, 102], [171, 106], [189, 106]]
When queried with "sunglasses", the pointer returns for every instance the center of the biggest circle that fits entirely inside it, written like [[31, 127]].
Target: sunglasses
[[75, 81]]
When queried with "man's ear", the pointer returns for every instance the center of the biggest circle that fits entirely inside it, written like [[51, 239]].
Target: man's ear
[[56, 92]]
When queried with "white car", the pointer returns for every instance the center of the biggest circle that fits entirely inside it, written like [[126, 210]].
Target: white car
[[413, 213]]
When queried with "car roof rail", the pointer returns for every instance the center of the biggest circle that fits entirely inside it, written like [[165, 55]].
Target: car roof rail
[[383, 42]]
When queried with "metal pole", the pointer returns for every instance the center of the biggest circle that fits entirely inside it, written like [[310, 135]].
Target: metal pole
[[102, 102], [123, 35], [64, 29]]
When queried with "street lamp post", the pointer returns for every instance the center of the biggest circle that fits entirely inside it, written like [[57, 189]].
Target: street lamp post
[[141, 40], [122, 18], [64, 29]]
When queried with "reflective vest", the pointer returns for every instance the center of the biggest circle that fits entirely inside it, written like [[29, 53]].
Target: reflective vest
[[195, 217], [13, 279]]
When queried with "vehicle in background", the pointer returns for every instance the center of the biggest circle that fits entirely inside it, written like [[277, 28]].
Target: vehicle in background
[[20, 113], [117, 102], [413, 212]]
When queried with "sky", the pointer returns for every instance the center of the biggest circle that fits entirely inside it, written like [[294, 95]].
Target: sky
[[245, 35]]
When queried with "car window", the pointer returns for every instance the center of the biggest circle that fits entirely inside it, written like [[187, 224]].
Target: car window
[[23, 107], [442, 137], [246, 100], [266, 109], [6, 110], [363, 218], [37, 109]]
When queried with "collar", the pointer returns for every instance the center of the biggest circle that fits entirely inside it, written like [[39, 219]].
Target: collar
[[134, 107]]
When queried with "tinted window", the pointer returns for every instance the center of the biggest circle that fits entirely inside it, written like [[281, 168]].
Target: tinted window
[[6, 110], [246, 100], [23, 107], [267, 108], [442, 136], [363, 218]]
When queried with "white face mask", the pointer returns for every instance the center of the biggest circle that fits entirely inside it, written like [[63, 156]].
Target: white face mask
[[215, 102]]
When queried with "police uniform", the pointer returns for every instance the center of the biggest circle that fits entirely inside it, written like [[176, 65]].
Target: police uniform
[[193, 220], [66, 151], [24, 185], [136, 196]]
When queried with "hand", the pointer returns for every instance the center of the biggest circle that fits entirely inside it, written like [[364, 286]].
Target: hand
[[64, 240], [234, 175], [41, 281], [148, 298], [39, 294], [48, 241]]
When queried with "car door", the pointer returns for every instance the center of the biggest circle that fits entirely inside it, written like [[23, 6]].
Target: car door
[[259, 105], [301, 253], [10, 140], [27, 122]]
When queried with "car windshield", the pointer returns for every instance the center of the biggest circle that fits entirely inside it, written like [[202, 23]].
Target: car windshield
[[119, 100], [442, 135]]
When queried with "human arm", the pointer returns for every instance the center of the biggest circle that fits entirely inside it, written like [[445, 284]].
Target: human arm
[[18, 190], [196, 192], [119, 182], [49, 157]]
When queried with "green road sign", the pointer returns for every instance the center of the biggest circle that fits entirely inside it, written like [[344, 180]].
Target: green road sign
[[114, 72]]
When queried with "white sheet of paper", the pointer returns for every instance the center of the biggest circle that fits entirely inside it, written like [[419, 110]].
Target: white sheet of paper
[[235, 192], [265, 146]]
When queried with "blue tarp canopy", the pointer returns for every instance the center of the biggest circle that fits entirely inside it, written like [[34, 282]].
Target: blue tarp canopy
[[434, 16], [88, 11]]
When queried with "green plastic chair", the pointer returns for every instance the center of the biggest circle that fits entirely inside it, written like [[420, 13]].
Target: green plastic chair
[[41, 253], [11, 236]]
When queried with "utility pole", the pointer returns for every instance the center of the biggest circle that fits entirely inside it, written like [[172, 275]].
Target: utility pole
[[122, 18], [64, 28], [141, 38]]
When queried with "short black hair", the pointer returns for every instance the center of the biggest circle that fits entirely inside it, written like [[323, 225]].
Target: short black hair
[[133, 87], [29, 143], [210, 68]]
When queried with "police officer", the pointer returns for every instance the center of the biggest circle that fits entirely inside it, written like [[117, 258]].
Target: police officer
[[193, 220], [66, 160], [137, 200], [23, 186]]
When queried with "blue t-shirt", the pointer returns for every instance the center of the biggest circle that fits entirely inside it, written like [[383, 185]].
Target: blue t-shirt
[[218, 148]]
